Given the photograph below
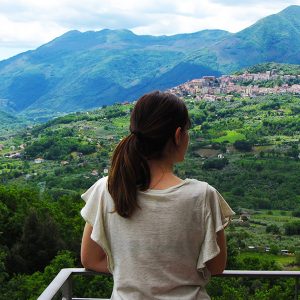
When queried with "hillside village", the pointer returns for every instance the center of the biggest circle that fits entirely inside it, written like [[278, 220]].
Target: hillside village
[[211, 88]]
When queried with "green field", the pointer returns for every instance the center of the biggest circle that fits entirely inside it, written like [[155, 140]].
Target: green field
[[231, 137], [284, 261]]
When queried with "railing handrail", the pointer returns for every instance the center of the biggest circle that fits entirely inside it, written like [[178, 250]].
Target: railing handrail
[[64, 275], [60, 279], [256, 273]]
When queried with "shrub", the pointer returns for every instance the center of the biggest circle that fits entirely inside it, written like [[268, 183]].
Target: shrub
[[292, 228], [243, 146], [273, 229], [296, 213], [215, 163]]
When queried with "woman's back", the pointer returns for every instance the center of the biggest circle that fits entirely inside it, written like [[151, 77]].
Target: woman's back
[[160, 252]]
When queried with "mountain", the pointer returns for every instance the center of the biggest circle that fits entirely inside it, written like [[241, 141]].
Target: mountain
[[84, 70], [79, 71], [275, 38]]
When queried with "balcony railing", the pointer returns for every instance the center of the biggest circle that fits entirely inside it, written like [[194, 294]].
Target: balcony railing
[[63, 281]]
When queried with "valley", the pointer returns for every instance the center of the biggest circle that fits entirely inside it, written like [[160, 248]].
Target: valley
[[245, 146]]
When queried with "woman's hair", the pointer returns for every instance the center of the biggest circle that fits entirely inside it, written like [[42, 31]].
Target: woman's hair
[[153, 123]]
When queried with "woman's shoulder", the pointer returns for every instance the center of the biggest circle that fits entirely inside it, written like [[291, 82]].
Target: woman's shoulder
[[96, 189], [102, 182], [196, 184], [198, 188]]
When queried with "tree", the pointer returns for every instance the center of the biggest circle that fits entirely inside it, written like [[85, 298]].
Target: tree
[[296, 213], [3, 274], [297, 258], [215, 163], [31, 286], [272, 229], [243, 146], [238, 191], [292, 228], [274, 249], [39, 243]]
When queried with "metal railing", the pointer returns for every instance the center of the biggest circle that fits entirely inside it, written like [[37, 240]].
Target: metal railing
[[63, 281]]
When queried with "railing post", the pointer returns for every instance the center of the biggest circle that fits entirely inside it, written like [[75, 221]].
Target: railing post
[[66, 289]]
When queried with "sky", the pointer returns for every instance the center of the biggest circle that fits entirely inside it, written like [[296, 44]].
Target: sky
[[28, 24]]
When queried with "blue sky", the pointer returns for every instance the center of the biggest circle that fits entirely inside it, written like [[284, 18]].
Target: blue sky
[[27, 24]]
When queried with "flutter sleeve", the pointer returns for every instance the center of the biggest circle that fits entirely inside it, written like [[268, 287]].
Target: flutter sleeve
[[94, 213], [216, 216]]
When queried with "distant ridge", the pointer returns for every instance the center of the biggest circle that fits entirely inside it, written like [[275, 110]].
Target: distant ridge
[[79, 71]]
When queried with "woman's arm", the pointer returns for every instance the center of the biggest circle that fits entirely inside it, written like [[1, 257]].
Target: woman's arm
[[217, 264], [93, 256]]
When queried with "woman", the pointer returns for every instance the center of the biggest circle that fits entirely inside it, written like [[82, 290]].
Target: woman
[[160, 236]]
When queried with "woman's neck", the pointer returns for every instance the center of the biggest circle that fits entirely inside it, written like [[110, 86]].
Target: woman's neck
[[162, 175]]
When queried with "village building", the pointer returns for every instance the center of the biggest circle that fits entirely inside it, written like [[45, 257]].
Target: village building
[[244, 217], [226, 84], [39, 160], [28, 176], [13, 155], [94, 173]]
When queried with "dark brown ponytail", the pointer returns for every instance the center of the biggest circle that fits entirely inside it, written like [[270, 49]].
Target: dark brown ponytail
[[153, 122], [127, 168]]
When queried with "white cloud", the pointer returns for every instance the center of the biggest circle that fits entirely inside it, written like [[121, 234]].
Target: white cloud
[[26, 33], [253, 2], [27, 24]]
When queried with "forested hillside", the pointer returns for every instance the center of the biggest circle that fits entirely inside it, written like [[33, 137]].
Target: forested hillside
[[248, 148]]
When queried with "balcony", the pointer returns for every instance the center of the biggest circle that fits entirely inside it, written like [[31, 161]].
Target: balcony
[[62, 283]]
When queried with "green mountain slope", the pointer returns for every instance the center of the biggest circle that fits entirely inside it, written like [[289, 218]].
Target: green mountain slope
[[275, 38], [284, 69], [79, 71], [228, 139], [9, 123], [83, 70]]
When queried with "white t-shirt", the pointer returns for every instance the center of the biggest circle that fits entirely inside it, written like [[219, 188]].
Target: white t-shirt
[[161, 250]]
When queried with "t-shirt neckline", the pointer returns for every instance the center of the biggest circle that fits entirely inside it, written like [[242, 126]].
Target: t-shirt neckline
[[154, 191]]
